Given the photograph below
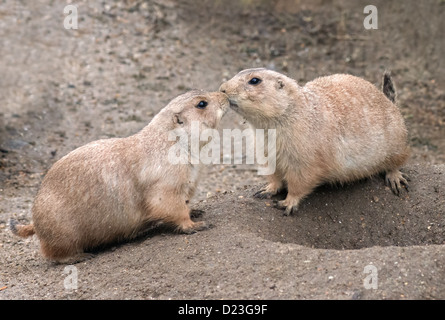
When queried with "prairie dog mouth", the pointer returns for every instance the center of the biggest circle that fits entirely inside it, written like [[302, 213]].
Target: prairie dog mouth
[[233, 104], [221, 112]]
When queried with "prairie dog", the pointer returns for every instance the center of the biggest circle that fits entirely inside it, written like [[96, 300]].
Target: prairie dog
[[113, 189], [337, 128]]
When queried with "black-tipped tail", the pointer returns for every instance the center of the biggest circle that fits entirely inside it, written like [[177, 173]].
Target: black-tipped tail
[[388, 87], [20, 229], [13, 225]]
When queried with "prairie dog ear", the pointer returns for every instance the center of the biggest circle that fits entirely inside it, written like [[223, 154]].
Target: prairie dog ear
[[280, 83], [177, 119]]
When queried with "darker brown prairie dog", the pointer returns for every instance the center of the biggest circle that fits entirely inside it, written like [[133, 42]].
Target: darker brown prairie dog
[[337, 128], [113, 189]]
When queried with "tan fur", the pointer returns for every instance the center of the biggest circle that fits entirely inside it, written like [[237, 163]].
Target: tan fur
[[113, 189], [337, 128]]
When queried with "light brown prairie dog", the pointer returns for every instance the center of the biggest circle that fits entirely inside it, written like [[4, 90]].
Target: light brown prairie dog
[[112, 189], [337, 128]]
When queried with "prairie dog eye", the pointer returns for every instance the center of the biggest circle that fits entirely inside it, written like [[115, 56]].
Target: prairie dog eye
[[255, 81], [201, 105]]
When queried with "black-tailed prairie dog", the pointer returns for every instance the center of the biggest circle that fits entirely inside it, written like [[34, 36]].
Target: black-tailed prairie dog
[[113, 189], [337, 128]]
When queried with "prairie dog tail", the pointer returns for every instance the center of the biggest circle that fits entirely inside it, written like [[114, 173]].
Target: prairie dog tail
[[21, 230], [388, 87]]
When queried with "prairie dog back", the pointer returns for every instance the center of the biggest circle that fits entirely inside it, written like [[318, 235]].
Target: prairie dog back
[[362, 128]]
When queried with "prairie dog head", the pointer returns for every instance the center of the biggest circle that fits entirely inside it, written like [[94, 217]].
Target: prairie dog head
[[259, 94], [196, 106]]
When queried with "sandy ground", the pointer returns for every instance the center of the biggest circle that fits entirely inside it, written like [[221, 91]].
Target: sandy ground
[[63, 88]]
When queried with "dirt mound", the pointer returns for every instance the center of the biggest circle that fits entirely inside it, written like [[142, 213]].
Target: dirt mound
[[361, 215]]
